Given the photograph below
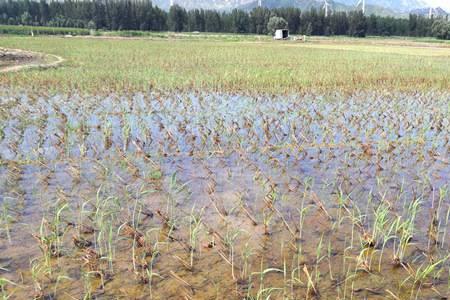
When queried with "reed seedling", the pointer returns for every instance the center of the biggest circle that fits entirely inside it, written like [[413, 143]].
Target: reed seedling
[[195, 226], [6, 219]]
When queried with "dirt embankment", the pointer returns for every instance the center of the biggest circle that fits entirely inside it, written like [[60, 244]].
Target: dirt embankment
[[12, 60]]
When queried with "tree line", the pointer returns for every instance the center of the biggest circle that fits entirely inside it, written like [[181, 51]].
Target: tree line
[[143, 15]]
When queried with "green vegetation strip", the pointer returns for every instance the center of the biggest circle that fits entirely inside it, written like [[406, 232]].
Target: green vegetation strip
[[96, 65], [41, 30]]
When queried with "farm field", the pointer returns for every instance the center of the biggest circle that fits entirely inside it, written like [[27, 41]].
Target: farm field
[[182, 168], [104, 65]]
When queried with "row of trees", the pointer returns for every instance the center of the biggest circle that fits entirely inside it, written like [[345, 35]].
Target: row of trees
[[142, 15], [97, 14], [312, 22]]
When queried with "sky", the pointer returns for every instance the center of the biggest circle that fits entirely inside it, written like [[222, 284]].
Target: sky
[[445, 4]]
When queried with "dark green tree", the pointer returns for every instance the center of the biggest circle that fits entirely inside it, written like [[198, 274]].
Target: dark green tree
[[276, 23], [259, 18], [177, 18], [441, 29], [357, 24], [240, 21]]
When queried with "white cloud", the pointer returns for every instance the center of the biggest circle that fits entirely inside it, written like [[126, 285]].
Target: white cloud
[[445, 4]]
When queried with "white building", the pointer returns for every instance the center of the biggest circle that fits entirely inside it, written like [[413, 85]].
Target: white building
[[281, 34]]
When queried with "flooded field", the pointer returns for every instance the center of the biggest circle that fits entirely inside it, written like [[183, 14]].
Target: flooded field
[[225, 196]]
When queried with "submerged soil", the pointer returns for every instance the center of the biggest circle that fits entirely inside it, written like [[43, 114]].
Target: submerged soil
[[218, 196]]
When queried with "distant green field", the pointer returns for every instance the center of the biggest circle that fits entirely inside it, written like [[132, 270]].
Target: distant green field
[[226, 63], [41, 30]]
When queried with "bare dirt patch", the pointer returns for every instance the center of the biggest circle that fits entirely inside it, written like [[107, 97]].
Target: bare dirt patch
[[12, 60]]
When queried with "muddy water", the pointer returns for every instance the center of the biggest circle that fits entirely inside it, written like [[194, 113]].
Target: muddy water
[[212, 196]]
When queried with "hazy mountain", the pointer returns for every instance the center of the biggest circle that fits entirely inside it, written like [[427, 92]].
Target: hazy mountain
[[380, 7], [308, 4], [302, 4], [401, 6], [438, 11], [206, 4]]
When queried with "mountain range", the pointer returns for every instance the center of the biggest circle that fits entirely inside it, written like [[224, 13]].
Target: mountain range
[[380, 7]]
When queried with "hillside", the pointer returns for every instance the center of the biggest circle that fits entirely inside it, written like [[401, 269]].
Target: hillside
[[379, 7]]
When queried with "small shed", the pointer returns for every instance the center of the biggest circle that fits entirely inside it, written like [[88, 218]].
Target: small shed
[[281, 34]]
